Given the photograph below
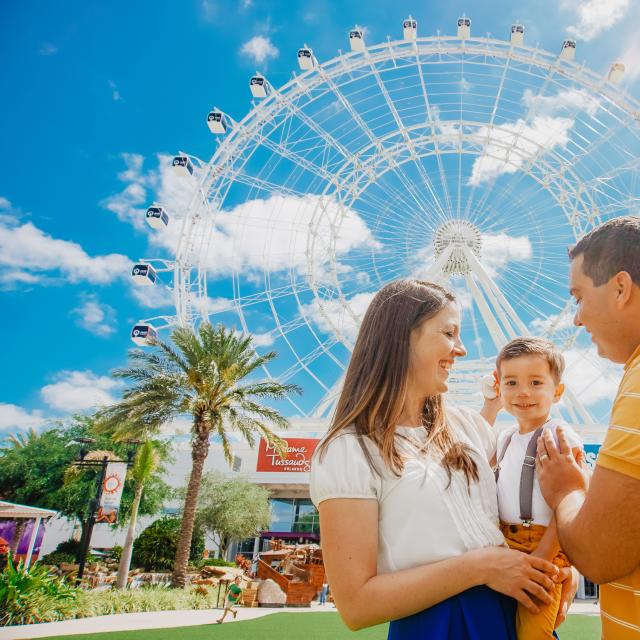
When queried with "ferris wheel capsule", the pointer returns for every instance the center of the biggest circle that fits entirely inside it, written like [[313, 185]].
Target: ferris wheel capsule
[[157, 217], [216, 121], [568, 51], [306, 61], [517, 34], [616, 73], [144, 273], [182, 165], [356, 39], [259, 86], [144, 334], [409, 29], [464, 27]]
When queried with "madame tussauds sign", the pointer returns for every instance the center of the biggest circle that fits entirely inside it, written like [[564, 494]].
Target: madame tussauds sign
[[298, 456]]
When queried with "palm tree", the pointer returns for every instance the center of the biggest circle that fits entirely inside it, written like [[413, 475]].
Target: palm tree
[[146, 463], [203, 374]]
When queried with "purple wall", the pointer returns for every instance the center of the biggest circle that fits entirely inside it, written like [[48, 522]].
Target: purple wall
[[7, 529]]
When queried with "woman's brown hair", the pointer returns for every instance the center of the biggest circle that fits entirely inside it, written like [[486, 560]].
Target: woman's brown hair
[[375, 384]]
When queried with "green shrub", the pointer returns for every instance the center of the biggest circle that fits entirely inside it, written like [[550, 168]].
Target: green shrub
[[216, 562], [155, 548], [57, 558], [34, 595], [145, 598], [69, 546], [116, 553]]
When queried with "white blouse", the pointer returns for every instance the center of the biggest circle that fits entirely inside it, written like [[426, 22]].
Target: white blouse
[[420, 520]]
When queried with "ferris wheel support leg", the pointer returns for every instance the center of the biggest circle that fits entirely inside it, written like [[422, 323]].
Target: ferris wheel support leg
[[499, 338], [484, 282], [435, 273], [477, 267]]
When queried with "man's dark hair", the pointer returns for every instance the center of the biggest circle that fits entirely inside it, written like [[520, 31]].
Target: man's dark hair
[[610, 248]]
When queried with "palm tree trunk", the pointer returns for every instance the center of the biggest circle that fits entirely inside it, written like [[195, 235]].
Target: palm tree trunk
[[199, 452], [125, 559]]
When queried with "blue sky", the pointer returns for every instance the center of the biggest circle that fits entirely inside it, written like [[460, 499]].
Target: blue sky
[[96, 97]]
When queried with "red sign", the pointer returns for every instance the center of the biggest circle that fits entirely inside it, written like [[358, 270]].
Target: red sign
[[297, 458]]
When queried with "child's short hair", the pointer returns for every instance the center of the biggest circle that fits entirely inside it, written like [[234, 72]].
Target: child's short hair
[[526, 346]]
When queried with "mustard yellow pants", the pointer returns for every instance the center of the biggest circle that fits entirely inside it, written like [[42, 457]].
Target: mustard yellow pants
[[534, 626]]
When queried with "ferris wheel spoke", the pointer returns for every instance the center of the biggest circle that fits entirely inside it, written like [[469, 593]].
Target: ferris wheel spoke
[[382, 152], [426, 181]]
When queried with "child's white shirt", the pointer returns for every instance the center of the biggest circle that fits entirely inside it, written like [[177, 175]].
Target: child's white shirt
[[511, 468]]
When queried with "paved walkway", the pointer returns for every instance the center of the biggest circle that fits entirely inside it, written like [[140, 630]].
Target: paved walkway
[[168, 619]]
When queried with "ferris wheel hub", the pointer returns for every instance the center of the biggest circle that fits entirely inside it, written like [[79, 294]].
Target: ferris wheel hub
[[458, 233]]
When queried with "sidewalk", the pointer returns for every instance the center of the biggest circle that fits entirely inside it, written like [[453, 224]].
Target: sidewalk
[[147, 620], [168, 619]]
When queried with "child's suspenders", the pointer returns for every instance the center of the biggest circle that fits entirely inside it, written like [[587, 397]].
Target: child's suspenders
[[526, 475]]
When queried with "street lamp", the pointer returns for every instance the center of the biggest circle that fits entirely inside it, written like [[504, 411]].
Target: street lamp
[[94, 504]]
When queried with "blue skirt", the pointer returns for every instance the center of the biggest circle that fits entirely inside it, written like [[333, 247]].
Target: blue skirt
[[476, 614]]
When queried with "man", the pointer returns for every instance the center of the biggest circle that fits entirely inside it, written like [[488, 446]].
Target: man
[[598, 522]]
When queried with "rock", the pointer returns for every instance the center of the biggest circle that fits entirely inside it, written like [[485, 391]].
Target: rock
[[270, 593]]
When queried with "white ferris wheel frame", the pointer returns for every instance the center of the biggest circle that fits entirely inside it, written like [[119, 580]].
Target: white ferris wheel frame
[[358, 170]]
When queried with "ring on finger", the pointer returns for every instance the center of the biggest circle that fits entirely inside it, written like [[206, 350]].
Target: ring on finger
[[543, 456]]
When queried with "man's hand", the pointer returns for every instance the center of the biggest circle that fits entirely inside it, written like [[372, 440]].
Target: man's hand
[[558, 472], [570, 578]]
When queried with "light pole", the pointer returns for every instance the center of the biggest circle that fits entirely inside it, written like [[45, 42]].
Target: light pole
[[94, 504]]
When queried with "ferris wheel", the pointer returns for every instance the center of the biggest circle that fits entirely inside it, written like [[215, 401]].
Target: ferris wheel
[[471, 161]]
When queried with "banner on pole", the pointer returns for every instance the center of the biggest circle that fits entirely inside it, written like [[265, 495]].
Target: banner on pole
[[111, 492]]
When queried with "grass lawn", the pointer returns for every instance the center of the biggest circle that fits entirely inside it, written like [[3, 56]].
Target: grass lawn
[[303, 626]]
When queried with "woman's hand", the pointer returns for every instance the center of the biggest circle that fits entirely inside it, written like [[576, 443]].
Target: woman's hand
[[570, 579], [518, 575]]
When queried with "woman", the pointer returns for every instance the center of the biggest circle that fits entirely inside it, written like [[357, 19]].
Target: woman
[[406, 495]]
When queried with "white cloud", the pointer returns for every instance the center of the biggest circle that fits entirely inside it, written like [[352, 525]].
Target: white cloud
[[4, 203], [151, 297], [27, 253], [115, 92], [47, 49], [590, 377], [14, 417], [594, 16], [546, 126], [330, 316], [96, 318], [554, 323], [499, 249], [264, 233], [76, 391], [508, 146], [259, 49], [142, 188], [209, 10], [272, 235], [125, 204], [263, 339], [571, 100], [630, 57]]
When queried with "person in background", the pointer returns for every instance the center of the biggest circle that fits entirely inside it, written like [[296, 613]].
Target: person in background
[[324, 592], [233, 597]]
